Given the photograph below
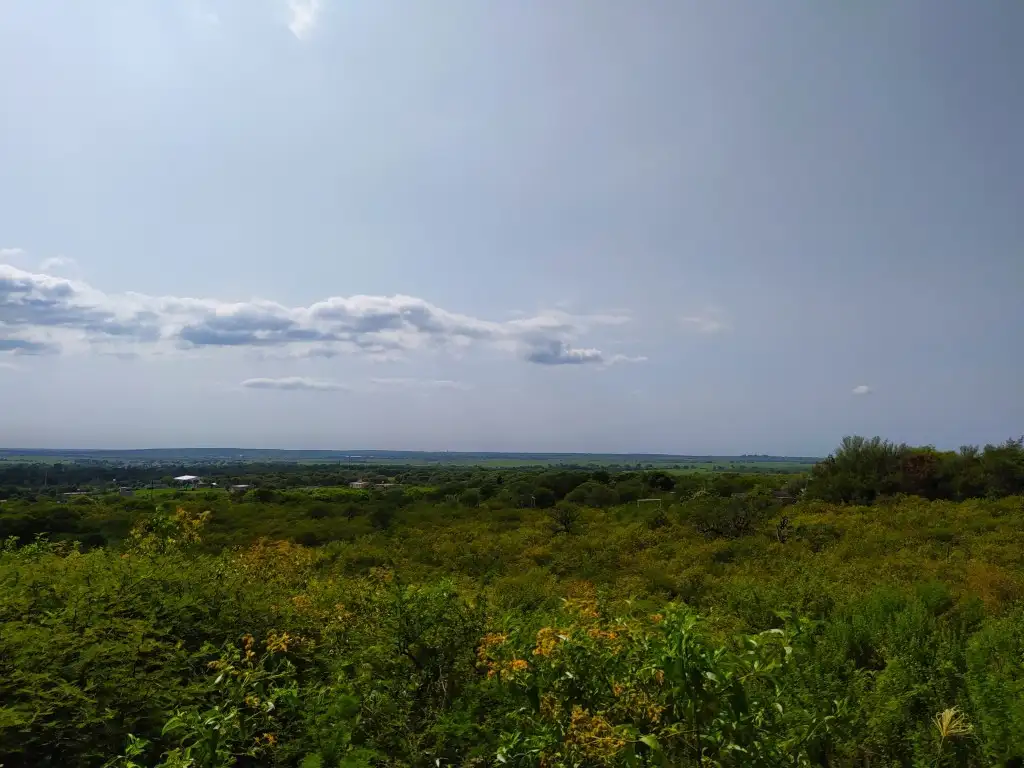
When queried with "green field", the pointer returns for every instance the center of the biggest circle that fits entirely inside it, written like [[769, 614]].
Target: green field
[[190, 457]]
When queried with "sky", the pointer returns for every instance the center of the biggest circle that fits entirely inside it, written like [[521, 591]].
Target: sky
[[665, 226]]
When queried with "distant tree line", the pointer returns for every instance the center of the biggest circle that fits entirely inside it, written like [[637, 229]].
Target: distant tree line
[[863, 471], [31, 479]]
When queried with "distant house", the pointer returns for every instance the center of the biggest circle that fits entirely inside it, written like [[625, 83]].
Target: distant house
[[189, 481], [239, 488], [124, 491], [359, 484]]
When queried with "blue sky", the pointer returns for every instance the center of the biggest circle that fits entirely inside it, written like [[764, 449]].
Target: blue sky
[[585, 226]]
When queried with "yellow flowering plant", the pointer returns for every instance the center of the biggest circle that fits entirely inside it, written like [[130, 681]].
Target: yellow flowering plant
[[626, 691]]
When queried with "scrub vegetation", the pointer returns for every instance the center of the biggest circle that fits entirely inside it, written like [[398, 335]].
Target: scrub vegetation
[[868, 612]]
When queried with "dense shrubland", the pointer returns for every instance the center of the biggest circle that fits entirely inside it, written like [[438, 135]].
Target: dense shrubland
[[725, 625], [50, 480], [863, 470]]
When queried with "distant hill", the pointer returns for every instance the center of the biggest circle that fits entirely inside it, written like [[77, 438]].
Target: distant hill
[[351, 456]]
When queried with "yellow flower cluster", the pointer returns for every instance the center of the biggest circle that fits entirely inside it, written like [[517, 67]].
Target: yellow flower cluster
[[547, 640], [266, 740], [247, 642], [582, 600], [492, 640], [278, 643], [550, 707], [636, 704], [612, 639], [155, 535], [224, 666], [585, 608], [274, 560], [190, 524], [483, 651], [593, 736], [495, 666], [581, 590]]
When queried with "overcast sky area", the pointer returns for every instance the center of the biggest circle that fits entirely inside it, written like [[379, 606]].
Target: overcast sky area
[[590, 225]]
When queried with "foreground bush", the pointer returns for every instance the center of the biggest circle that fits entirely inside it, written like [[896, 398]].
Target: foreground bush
[[480, 637], [623, 691]]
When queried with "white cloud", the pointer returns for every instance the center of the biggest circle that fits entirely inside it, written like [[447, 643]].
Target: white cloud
[[45, 313], [27, 346], [862, 389], [302, 16], [627, 359], [59, 264], [294, 383], [555, 352], [13, 255], [704, 323]]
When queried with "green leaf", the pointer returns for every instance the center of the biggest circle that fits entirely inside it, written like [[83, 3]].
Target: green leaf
[[651, 741], [533, 694]]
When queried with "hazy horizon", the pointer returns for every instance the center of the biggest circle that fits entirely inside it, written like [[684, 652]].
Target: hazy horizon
[[244, 450], [585, 227]]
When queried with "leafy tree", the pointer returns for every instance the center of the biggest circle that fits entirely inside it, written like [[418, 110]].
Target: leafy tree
[[565, 515], [629, 490], [544, 497], [382, 516], [593, 494], [659, 481], [320, 511]]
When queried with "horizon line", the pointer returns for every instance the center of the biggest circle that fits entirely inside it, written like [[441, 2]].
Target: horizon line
[[398, 450]]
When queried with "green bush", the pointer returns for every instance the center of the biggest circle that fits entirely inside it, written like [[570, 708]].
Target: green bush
[[456, 635]]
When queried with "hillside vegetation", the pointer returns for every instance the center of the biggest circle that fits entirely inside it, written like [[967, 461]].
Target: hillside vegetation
[[870, 613]]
